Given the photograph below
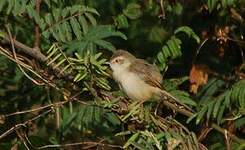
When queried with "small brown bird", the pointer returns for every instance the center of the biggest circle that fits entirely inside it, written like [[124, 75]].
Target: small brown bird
[[138, 79]]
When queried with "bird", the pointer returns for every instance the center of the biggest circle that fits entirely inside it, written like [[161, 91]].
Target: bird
[[138, 79]]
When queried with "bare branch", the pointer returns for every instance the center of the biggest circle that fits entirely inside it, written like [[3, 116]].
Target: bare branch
[[35, 109], [23, 124], [26, 49], [37, 29]]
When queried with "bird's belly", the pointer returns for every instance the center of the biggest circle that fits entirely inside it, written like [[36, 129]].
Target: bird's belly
[[136, 88]]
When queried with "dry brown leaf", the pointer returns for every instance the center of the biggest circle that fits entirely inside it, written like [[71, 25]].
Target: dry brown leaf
[[198, 76], [2, 119], [221, 34]]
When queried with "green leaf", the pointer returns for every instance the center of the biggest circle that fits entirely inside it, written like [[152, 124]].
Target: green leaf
[[166, 52], [75, 9], [210, 109], [104, 31], [65, 12], [227, 99], [84, 24], [91, 19], [89, 9], [178, 8], [61, 33], [188, 31], [67, 31], [132, 11], [184, 97], [33, 13], [160, 57], [17, 7], [76, 28], [211, 4], [220, 114], [49, 19], [239, 123], [191, 118], [121, 21], [56, 14], [113, 119], [217, 106], [10, 6], [131, 139], [201, 114], [105, 44], [157, 34], [240, 92], [2, 3], [79, 46], [173, 48]]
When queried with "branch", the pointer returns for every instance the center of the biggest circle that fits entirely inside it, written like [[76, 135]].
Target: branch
[[35, 109], [26, 49], [36, 54], [37, 29]]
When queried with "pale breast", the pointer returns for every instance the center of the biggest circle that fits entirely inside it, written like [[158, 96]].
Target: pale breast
[[134, 87]]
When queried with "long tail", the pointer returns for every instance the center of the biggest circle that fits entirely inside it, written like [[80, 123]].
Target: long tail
[[173, 100]]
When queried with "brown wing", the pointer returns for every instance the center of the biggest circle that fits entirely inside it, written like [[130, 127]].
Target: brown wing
[[147, 72]]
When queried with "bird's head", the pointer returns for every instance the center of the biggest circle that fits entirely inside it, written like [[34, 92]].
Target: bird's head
[[121, 60]]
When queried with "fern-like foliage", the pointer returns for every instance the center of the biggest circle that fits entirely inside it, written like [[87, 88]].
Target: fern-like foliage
[[62, 24], [171, 135], [73, 27], [94, 39], [132, 11], [20, 8], [15, 7], [91, 70], [77, 27], [214, 107], [90, 116], [58, 59], [171, 85], [172, 48]]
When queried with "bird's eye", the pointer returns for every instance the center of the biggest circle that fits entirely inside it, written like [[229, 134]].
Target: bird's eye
[[117, 61]]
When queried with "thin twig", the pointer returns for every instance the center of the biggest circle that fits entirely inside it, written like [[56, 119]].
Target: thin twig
[[89, 143], [23, 124], [19, 134], [198, 50], [163, 15], [36, 54], [78, 143], [35, 109], [16, 58]]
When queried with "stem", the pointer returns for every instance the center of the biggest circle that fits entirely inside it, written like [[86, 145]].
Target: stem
[[37, 29]]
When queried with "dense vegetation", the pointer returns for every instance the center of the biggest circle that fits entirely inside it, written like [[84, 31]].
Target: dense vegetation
[[56, 90]]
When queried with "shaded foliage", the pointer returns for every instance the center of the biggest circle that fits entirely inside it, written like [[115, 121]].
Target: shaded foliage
[[70, 97]]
